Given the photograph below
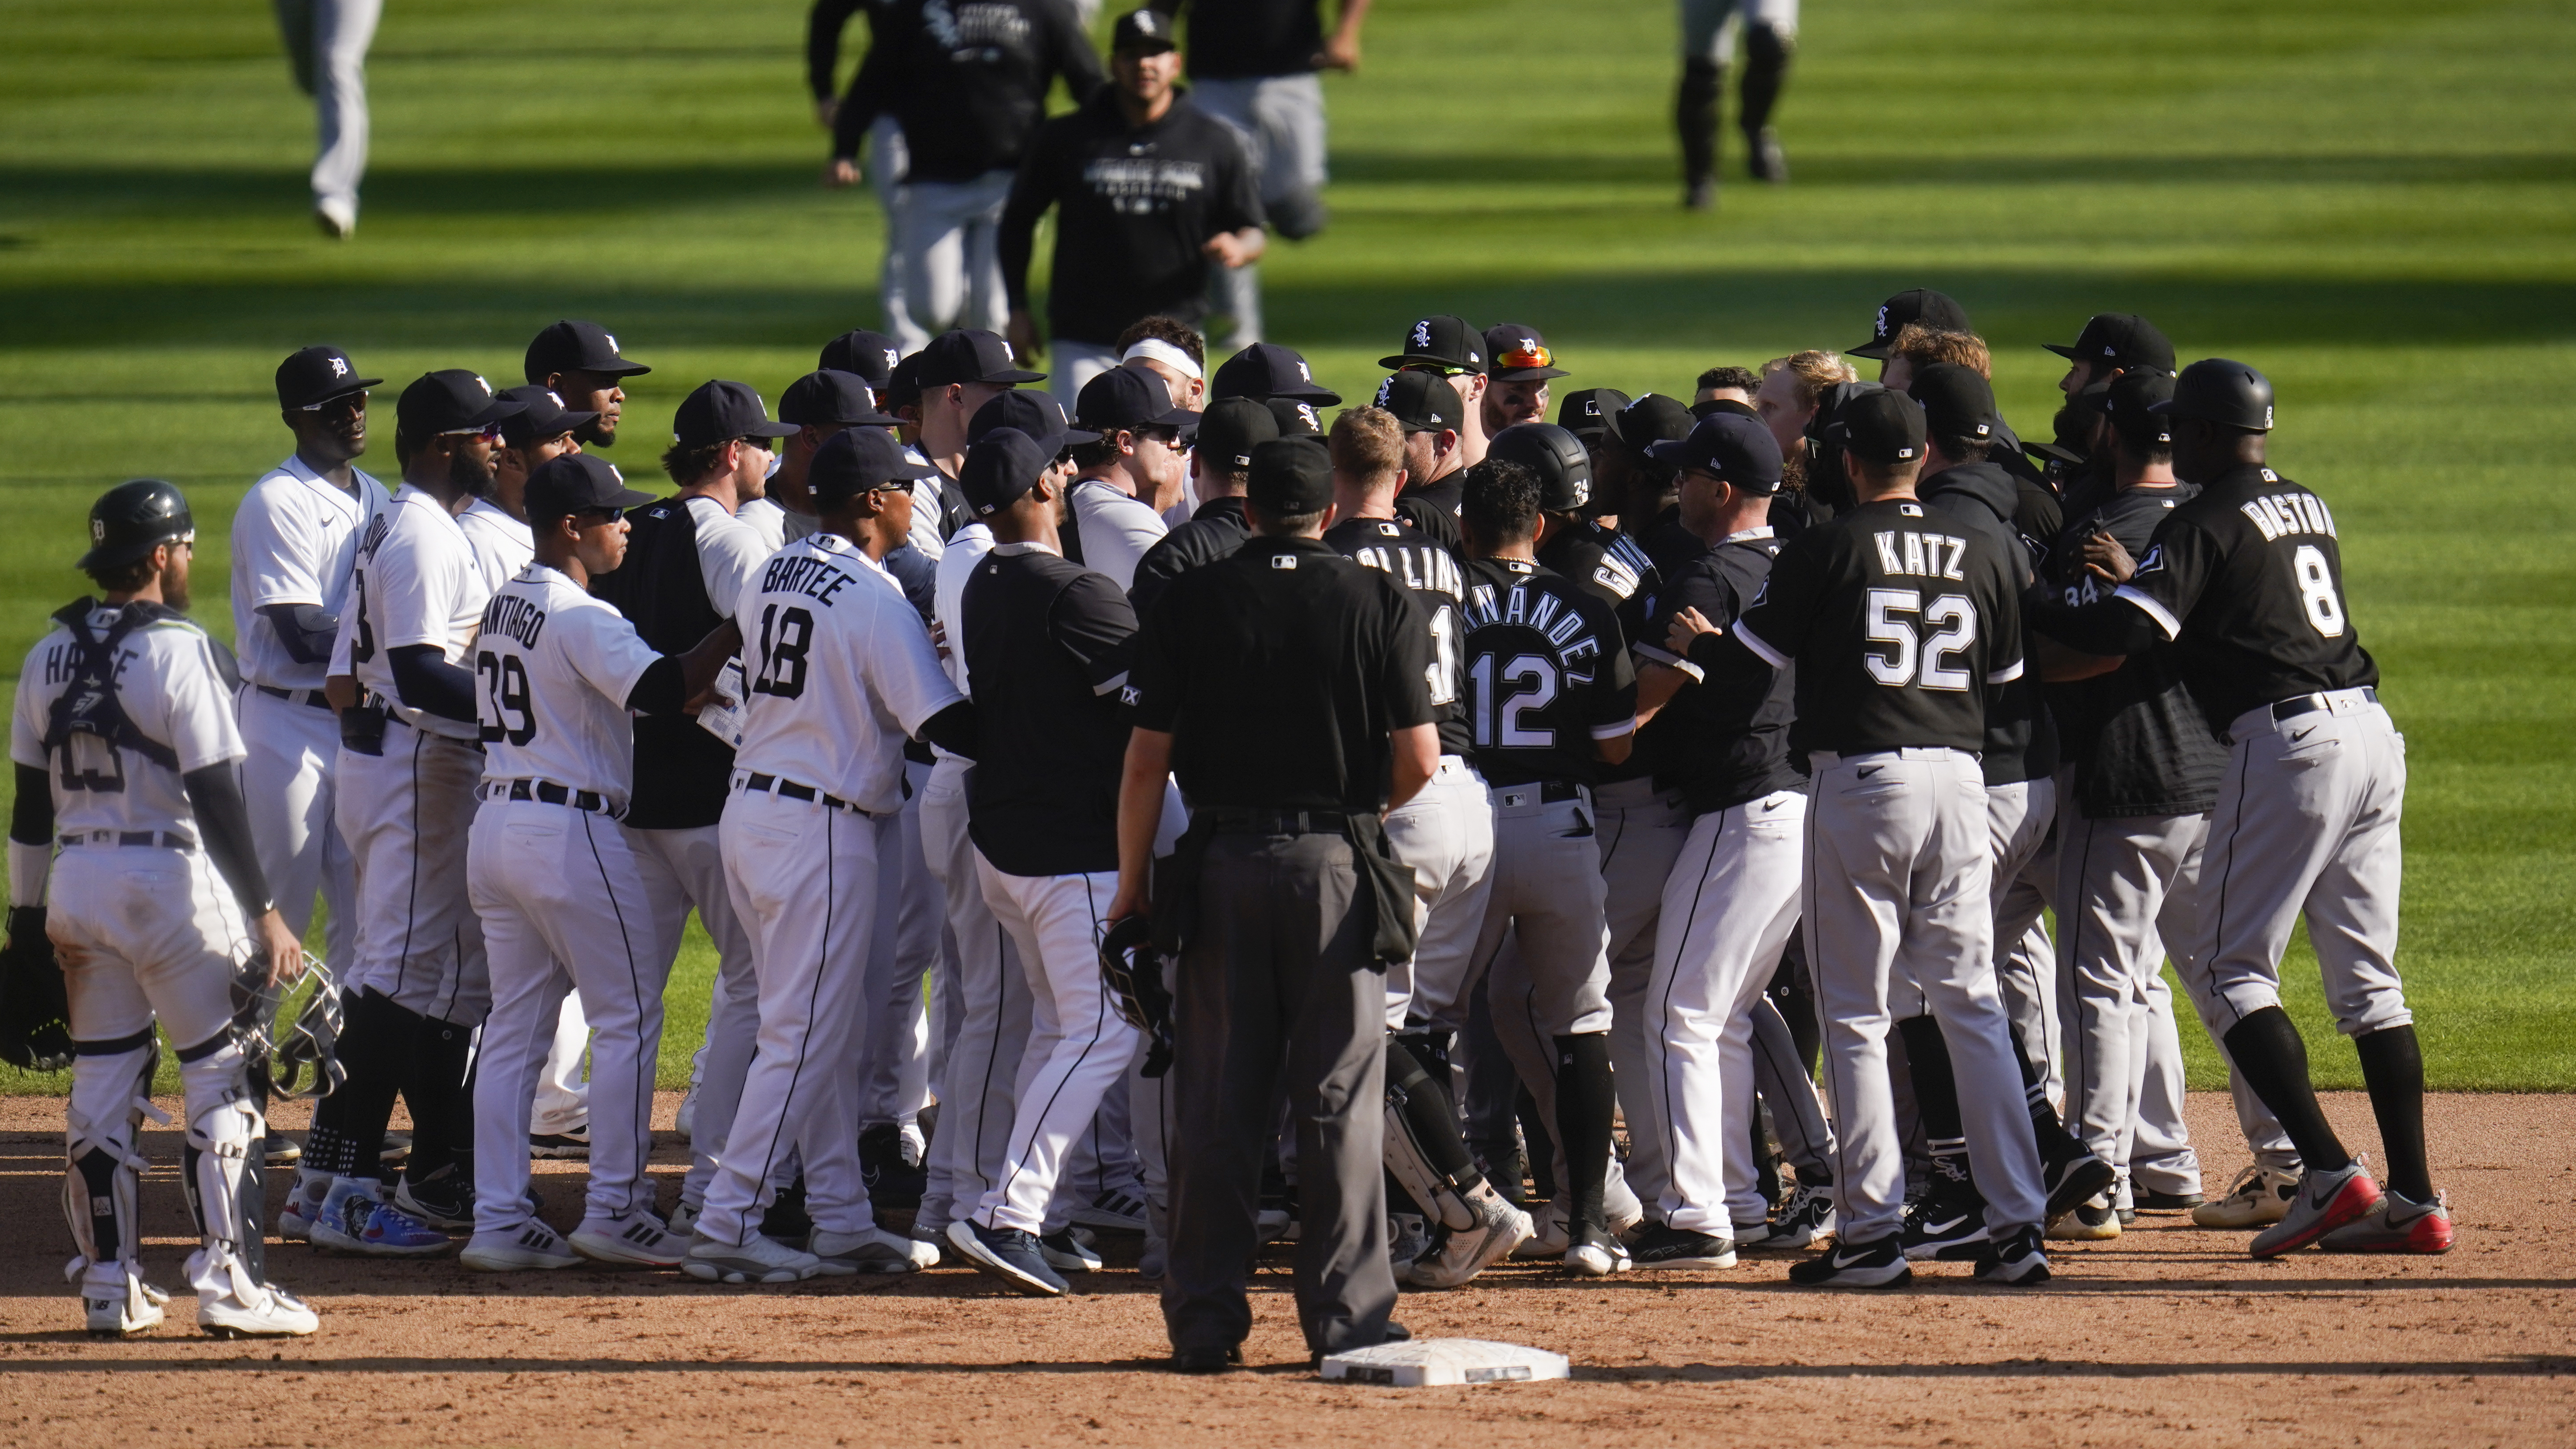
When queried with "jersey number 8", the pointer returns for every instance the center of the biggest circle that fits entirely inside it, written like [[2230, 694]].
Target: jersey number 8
[[785, 634], [505, 693], [2317, 590], [1885, 627]]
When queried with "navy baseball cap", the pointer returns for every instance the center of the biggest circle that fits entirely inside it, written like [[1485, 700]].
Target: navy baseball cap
[[1230, 429], [1422, 402], [1442, 342], [1517, 353], [1266, 370], [451, 400], [855, 460], [903, 385], [1128, 398], [969, 356], [1587, 411], [1291, 476], [2122, 339], [1651, 419], [571, 483], [578, 347], [871, 355], [1734, 447], [1915, 304], [315, 375], [1033, 413], [721, 411], [1141, 32], [1002, 465], [1957, 402], [1882, 428], [829, 396], [544, 416]]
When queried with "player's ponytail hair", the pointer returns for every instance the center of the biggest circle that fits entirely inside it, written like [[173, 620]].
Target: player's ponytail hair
[[1815, 370]]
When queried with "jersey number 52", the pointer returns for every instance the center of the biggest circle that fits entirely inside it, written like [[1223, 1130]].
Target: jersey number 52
[[1891, 621]]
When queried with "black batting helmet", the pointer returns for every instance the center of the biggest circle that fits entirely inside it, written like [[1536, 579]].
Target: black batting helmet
[[2218, 390], [1563, 465], [131, 519]]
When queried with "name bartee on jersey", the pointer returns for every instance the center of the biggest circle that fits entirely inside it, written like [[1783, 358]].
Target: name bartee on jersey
[[1561, 625], [804, 573], [1923, 555]]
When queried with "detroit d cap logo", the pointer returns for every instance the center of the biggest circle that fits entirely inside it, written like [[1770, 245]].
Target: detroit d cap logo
[[98, 530], [339, 368]]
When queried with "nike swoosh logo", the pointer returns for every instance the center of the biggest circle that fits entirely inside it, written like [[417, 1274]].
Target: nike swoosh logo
[[2303, 734], [1872, 770], [1954, 1223]]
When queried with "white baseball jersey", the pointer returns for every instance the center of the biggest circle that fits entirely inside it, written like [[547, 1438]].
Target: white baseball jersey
[[842, 673], [730, 552], [766, 517], [552, 669], [502, 544], [948, 593], [173, 692], [416, 583], [295, 537]]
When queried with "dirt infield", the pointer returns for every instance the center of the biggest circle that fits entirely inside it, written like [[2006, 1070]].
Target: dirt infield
[[2168, 1331]]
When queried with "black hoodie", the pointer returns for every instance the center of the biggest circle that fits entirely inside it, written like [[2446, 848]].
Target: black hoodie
[[2021, 741]]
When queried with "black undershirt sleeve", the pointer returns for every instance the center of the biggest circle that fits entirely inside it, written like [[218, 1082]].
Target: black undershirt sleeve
[[953, 729], [1032, 192], [307, 630], [658, 689], [425, 680], [31, 816], [823, 28], [2106, 627], [214, 793]]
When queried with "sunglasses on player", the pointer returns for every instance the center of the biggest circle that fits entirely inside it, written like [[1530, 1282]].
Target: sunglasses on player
[[347, 402]]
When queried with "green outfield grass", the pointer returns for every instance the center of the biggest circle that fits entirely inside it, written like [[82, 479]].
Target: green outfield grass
[[2371, 201]]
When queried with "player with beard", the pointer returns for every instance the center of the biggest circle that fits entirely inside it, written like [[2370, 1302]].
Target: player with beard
[[1520, 366]]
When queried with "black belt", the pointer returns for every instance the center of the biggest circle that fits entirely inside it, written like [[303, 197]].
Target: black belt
[[311, 697], [771, 784], [2311, 703], [1276, 822], [145, 839], [1550, 792], [547, 792]]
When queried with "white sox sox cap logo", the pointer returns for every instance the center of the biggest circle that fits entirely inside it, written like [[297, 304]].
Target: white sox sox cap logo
[[1385, 390], [1422, 333], [1882, 321]]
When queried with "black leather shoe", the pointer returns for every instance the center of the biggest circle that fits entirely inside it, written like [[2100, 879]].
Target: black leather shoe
[[1205, 1360], [1395, 1333]]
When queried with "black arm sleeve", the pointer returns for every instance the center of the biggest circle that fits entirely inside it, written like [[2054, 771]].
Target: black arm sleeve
[[871, 93], [214, 793], [1032, 192], [31, 816], [659, 689], [1723, 657], [307, 630], [823, 26], [427, 682], [953, 729], [2107, 627]]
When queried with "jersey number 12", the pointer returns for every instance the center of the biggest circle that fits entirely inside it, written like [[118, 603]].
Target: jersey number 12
[[1498, 715]]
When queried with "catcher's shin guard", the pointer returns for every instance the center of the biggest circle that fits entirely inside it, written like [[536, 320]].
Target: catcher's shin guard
[[101, 1166], [1423, 1150], [222, 1168]]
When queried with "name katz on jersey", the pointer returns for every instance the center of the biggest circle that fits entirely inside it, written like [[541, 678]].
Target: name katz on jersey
[[1565, 629], [1923, 555], [804, 573]]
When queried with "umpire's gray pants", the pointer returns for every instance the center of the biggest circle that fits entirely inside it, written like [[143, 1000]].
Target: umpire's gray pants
[[1642, 830], [326, 43], [1278, 989]]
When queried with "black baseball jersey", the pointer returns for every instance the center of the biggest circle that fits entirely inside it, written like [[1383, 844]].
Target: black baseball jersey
[[1279, 673], [1547, 674], [1217, 529], [2247, 579], [1048, 644], [1237, 39], [1433, 508], [1730, 725], [682, 772], [1433, 576], [968, 80], [1612, 567], [2021, 739], [1897, 619], [1134, 208]]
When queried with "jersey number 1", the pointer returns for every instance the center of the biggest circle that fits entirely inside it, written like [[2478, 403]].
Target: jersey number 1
[[785, 634]]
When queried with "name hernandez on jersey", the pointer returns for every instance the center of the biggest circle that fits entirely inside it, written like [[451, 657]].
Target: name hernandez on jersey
[[553, 669], [1547, 674], [1432, 575]]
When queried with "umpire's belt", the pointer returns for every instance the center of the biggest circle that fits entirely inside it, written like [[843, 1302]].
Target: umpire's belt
[[1220, 821], [146, 839], [311, 697], [547, 792], [1536, 792], [789, 789]]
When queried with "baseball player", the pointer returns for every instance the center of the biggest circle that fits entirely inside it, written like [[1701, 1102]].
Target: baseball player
[[409, 763], [818, 405], [1128, 475], [127, 756], [294, 539], [1448, 348], [956, 375], [1220, 467], [1550, 691], [553, 874], [841, 672], [823, 27], [1428, 411], [2247, 581], [1518, 370], [1897, 621], [579, 363], [1709, 30], [326, 46], [869, 356]]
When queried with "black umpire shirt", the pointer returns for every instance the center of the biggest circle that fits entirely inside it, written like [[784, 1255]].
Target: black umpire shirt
[[1134, 207], [1897, 619], [1431, 574], [967, 79], [1048, 643], [1548, 674], [1731, 723], [2021, 739], [1610, 566], [1216, 530], [682, 772], [1280, 672], [1250, 39]]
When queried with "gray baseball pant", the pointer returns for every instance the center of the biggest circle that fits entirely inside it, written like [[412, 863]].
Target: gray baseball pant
[[326, 43], [1641, 832], [1280, 119]]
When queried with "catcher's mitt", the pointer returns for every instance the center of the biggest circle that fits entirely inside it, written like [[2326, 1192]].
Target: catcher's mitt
[[35, 1014]]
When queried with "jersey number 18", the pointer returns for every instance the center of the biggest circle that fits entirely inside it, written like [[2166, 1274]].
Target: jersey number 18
[[785, 635]]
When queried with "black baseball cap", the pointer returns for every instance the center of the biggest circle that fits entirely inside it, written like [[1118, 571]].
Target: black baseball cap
[[316, 375], [1882, 428], [999, 467], [571, 483], [1034, 413], [1651, 419], [1422, 402], [1734, 447], [969, 356], [1126, 399], [451, 400], [1230, 429], [1915, 304], [830, 395], [1707, 406], [2220, 390], [871, 355], [903, 385], [1142, 32], [578, 347], [1296, 419], [1291, 476], [855, 460], [2122, 339], [1442, 341], [1516, 353], [1957, 403], [721, 411], [2130, 403], [1587, 411], [544, 417], [1267, 370]]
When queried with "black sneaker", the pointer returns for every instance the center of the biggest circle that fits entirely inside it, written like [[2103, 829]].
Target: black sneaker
[[1207, 1360], [1947, 1227], [2148, 1200], [2018, 1261], [786, 1219], [1879, 1263], [2073, 1177], [1008, 1254], [573, 1146], [280, 1150], [444, 1199], [1680, 1248], [891, 1181]]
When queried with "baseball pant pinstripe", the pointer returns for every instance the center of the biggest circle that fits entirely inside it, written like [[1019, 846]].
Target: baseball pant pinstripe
[[982, 1071], [894, 1062]]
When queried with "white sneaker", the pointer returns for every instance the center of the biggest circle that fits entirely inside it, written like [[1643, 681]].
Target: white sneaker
[[530, 1245], [1549, 1238], [1597, 1255], [762, 1260], [338, 219], [1501, 1228], [2258, 1198], [639, 1238], [684, 1220], [295, 1220], [116, 1310], [1118, 1210], [870, 1250], [264, 1311]]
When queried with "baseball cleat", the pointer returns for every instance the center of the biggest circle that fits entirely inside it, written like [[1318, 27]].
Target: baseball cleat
[[1009, 1254], [295, 1219], [530, 1245], [1945, 1228], [353, 1220], [268, 1311], [443, 1199], [1408, 1237], [573, 1146], [1806, 1217], [2073, 1178], [1066, 1253], [2325, 1202], [2148, 1200], [118, 1312], [280, 1150], [684, 1219], [1548, 1237], [638, 1239], [1500, 1228], [891, 1179], [339, 221], [1747, 1237], [870, 1250], [2396, 1224], [1596, 1254], [1879, 1263], [2018, 1260], [762, 1260], [2259, 1196], [2091, 1222], [1768, 161], [1670, 1247], [1119, 1210]]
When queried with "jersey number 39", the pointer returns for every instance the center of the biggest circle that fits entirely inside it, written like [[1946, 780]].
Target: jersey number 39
[[505, 695]]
